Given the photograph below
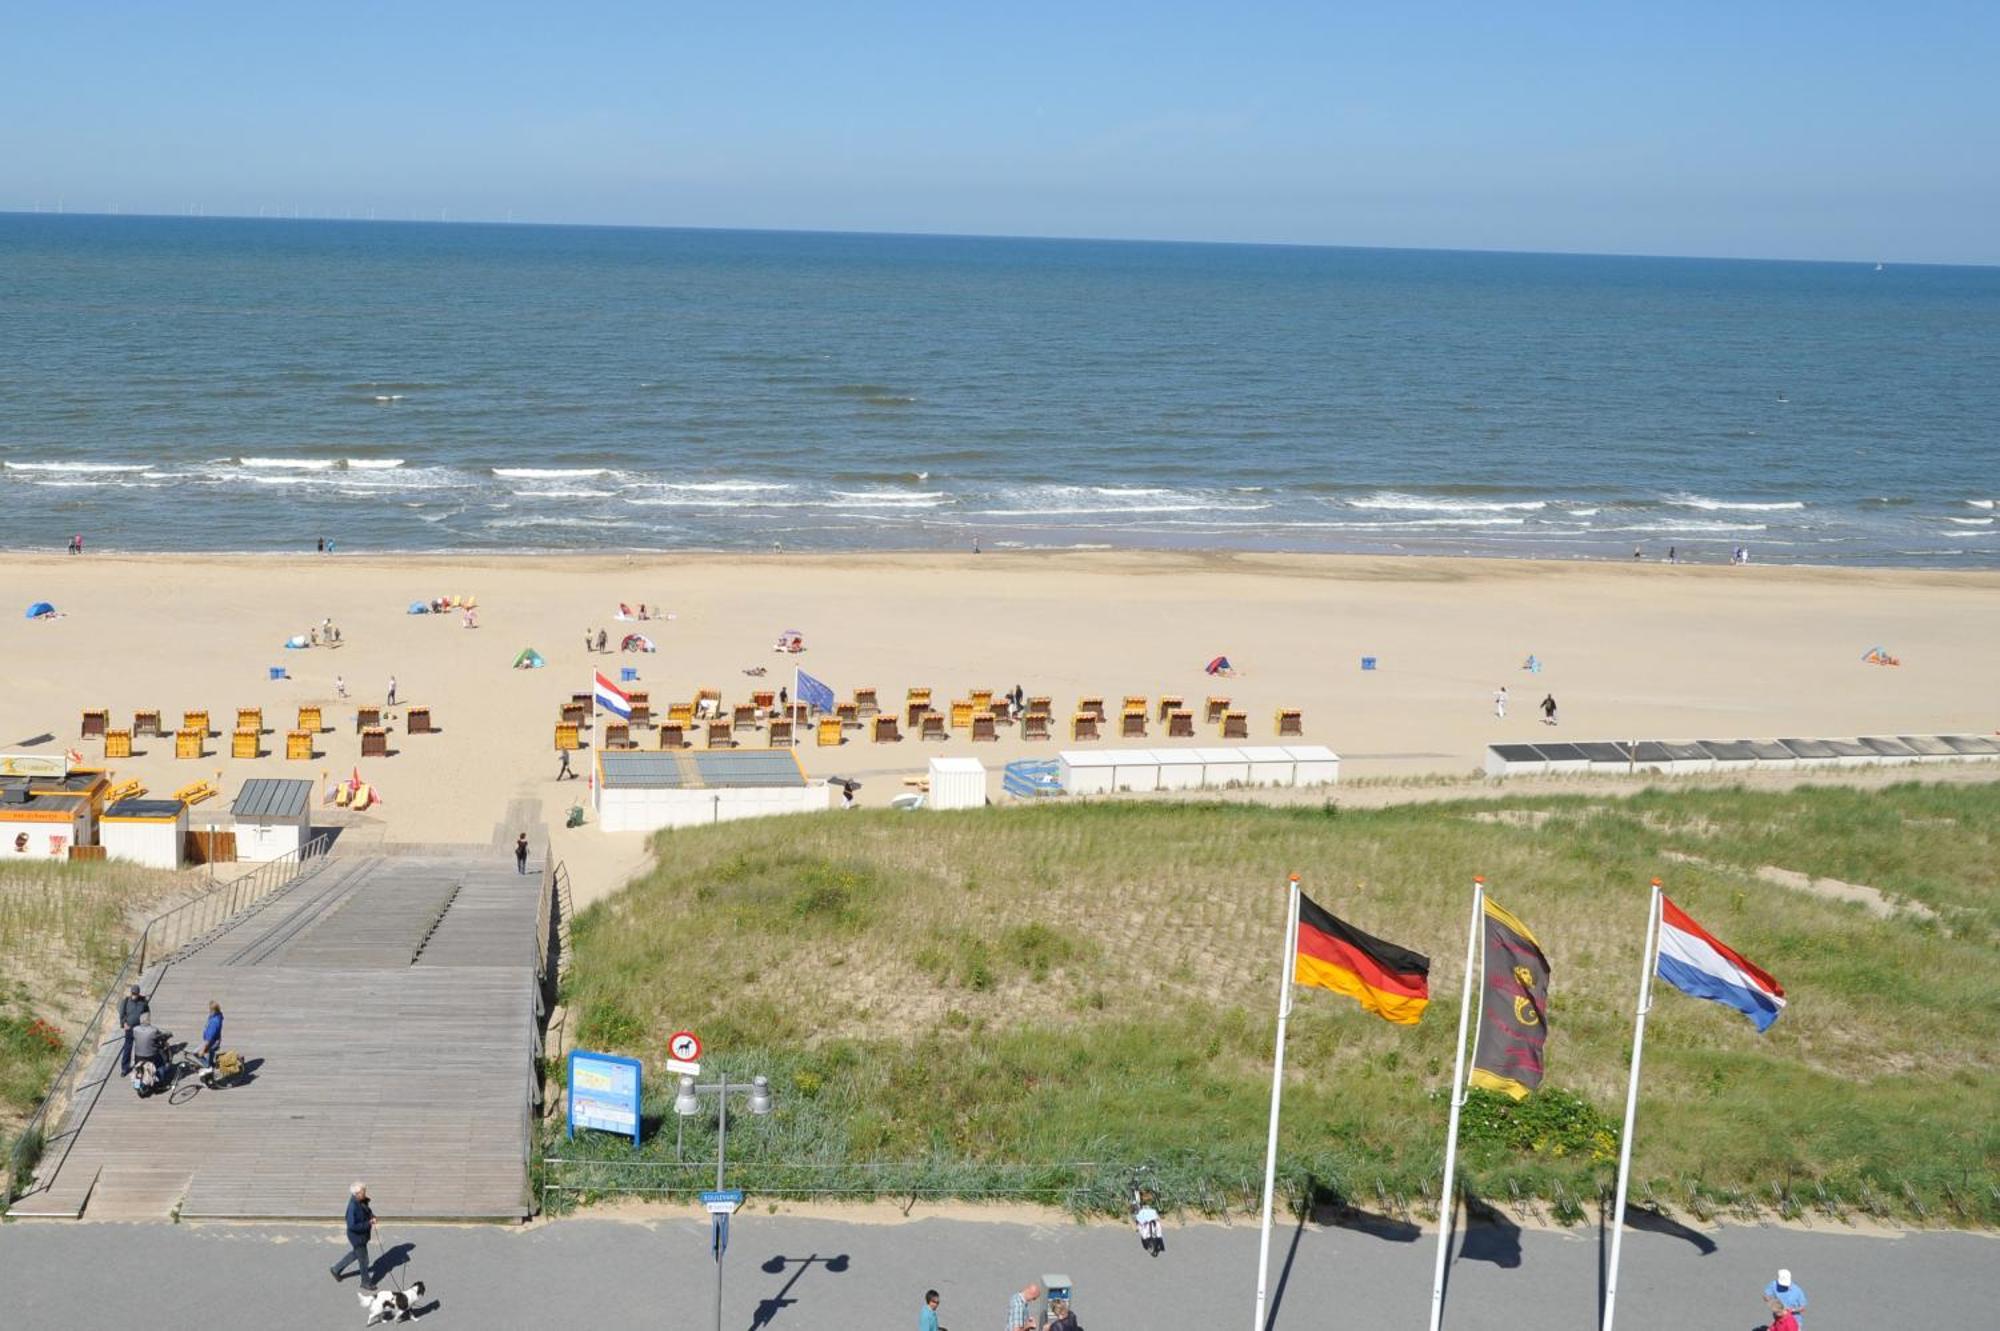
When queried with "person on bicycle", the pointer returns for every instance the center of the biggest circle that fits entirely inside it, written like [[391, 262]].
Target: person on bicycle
[[211, 1035]]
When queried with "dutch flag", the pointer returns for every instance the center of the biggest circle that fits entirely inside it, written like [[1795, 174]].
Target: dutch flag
[[1701, 965], [612, 698]]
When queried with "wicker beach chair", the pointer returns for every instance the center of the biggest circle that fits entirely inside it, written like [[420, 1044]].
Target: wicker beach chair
[[1132, 723], [886, 731], [933, 727], [1291, 722], [1236, 725], [1035, 725], [1083, 726]]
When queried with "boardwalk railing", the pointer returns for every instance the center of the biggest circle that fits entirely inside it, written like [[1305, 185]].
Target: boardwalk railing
[[552, 914], [168, 936]]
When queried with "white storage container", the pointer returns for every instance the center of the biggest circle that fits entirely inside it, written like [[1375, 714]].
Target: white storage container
[[1137, 769], [1180, 769], [957, 783], [1313, 764]]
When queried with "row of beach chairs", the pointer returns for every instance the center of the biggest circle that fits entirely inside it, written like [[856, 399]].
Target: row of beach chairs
[[246, 741], [707, 718]]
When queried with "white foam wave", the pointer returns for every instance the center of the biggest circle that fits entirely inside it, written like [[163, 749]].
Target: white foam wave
[[1115, 511], [1396, 501], [1126, 490], [720, 487], [1692, 525], [1980, 503], [1584, 512], [1723, 505], [1972, 522], [373, 464], [75, 466], [562, 494], [291, 464], [549, 473]]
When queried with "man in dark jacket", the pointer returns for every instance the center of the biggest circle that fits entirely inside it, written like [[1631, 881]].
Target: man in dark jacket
[[360, 1229], [130, 1008]]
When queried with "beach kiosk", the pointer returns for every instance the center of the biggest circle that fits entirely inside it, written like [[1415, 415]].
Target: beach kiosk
[[643, 790], [39, 826], [142, 831], [273, 817], [957, 783]]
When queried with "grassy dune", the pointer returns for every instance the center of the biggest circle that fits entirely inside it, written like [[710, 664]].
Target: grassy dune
[[957, 1001]]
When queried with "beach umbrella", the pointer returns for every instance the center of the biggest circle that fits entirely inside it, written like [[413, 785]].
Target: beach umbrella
[[1218, 665], [41, 610]]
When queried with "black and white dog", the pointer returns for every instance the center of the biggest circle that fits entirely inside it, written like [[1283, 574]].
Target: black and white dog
[[391, 1305]]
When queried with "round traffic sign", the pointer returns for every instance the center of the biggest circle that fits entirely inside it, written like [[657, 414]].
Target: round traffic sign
[[685, 1046]]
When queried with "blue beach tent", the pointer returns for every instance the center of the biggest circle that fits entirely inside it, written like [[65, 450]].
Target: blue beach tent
[[41, 610], [419, 608]]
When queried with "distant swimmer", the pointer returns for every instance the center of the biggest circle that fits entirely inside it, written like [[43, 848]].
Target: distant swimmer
[[1783, 398]]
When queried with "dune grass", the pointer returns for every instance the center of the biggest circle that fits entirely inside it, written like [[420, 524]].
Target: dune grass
[[977, 997]]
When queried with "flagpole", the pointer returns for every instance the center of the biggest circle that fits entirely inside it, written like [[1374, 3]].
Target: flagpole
[[1631, 1103], [1445, 1207], [1277, 1091]]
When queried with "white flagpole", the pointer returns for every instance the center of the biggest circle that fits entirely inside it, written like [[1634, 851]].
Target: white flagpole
[[791, 708], [1277, 1091], [1445, 1207], [1632, 1103]]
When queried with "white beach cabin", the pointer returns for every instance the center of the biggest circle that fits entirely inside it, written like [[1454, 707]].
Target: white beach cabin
[[273, 817], [1086, 771], [1137, 769], [39, 826], [1270, 765], [1224, 767], [1180, 769], [148, 832], [1313, 764], [957, 783]]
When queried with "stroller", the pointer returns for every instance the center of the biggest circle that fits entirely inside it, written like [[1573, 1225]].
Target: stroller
[[228, 1066]]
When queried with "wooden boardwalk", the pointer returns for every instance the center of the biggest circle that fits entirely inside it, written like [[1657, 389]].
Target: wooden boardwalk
[[386, 1009]]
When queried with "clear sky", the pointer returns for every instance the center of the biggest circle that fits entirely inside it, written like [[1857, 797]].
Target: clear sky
[[1837, 129]]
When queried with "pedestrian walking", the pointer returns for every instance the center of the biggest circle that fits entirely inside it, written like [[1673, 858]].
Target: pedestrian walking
[[131, 1008], [322, 545], [1500, 703], [564, 773], [1673, 554], [211, 1035], [392, 690], [588, 639], [603, 641], [1549, 710], [521, 852], [339, 686], [1021, 1308], [927, 1317], [1784, 1298], [360, 1230]]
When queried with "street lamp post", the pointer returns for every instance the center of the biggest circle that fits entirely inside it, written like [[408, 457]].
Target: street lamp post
[[687, 1103]]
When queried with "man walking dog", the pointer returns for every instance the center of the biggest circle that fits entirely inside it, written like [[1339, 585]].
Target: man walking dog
[[360, 1229]]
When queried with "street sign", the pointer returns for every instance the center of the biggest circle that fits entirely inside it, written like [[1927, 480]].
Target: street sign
[[685, 1046], [723, 1201], [682, 1065]]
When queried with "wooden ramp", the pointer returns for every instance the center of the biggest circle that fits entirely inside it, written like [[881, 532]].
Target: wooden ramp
[[386, 1009]]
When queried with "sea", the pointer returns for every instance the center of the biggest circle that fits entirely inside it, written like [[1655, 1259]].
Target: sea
[[202, 384]]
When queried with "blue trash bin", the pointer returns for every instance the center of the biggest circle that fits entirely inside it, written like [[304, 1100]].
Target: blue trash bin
[[1367, 663], [626, 674], [278, 672]]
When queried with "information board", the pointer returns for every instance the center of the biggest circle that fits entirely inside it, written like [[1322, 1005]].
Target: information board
[[604, 1093]]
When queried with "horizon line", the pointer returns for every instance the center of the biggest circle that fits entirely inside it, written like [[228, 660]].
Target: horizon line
[[980, 235]]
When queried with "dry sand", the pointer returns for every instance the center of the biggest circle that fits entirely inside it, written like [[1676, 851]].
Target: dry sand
[[1629, 651]]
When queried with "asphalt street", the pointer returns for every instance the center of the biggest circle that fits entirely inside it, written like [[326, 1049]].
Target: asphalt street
[[792, 1273]]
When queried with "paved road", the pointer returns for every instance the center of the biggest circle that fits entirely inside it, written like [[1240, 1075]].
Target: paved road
[[797, 1274]]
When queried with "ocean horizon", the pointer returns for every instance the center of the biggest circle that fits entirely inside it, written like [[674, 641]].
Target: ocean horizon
[[197, 384]]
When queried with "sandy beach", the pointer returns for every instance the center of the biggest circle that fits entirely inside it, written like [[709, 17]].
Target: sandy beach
[[1628, 651]]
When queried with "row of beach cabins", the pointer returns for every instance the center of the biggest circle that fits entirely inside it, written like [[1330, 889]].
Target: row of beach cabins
[[1690, 757], [980, 715]]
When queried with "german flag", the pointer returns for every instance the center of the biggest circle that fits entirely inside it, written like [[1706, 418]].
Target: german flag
[[1390, 981]]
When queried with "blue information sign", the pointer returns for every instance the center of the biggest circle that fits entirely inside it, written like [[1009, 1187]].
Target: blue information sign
[[604, 1093]]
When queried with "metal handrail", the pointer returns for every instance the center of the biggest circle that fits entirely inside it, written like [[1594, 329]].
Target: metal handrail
[[175, 931]]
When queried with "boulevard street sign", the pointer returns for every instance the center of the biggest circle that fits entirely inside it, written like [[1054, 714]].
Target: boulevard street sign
[[723, 1201]]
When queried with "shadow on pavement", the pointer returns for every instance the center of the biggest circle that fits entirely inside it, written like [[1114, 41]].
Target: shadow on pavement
[[1490, 1236], [769, 1308]]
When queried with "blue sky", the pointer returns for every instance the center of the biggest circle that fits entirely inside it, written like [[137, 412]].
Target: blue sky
[[1835, 130]]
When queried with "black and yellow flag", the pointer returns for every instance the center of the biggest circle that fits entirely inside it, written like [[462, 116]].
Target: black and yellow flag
[[1513, 1008]]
